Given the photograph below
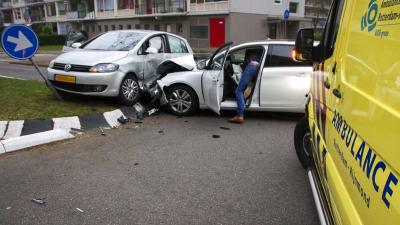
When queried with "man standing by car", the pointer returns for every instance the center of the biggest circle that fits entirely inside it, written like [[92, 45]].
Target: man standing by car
[[249, 74]]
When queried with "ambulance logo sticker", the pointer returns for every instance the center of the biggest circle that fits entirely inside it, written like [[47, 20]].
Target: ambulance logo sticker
[[369, 18], [380, 18]]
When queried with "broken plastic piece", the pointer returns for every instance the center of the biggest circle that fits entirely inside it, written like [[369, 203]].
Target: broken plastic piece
[[102, 131], [152, 111], [224, 128], [77, 129], [8, 208], [80, 210], [123, 119], [39, 201], [216, 136]]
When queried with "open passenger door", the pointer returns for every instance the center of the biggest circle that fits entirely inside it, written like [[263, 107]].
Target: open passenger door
[[212, 81]]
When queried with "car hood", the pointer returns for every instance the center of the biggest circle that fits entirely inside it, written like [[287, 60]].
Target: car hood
[[180, 64], [90, 57]]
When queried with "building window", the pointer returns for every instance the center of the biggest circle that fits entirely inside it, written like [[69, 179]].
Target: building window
[[277, 2], [128, 26], [105, 28], [179, 28], [112, 27], [156, 26], [99, 28], [87, 28], [147, 27], [293, 7], [93, 29], [120, 27], [168, 28], [199, 32], [137, 26]]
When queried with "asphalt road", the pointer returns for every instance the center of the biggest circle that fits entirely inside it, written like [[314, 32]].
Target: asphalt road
[[21, 71], [167, 170]]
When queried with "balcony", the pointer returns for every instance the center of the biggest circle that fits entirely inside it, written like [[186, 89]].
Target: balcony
[[209, 6], [79, 15], [5, 5]]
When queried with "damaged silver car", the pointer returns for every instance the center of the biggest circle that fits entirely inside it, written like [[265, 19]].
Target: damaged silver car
[[116, 64], [281, 85]]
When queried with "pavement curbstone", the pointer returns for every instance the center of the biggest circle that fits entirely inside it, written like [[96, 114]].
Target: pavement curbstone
[[18, 143], [112, 118], [14, 129], [2, 149], [3, 126], [66, 123]]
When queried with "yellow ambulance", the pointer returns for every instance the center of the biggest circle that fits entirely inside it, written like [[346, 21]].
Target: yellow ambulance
[[349, 140]]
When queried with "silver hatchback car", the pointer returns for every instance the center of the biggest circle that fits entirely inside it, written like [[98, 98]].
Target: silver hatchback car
[[116, 64], [281, 85]]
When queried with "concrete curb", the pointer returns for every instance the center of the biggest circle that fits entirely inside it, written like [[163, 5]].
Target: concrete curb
[[17, 143], [16, 135]]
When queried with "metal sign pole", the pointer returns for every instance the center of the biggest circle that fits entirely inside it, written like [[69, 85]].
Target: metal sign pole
[[48, 84]]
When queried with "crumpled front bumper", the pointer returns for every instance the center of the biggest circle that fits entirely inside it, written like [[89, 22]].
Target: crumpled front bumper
[[163, 96]]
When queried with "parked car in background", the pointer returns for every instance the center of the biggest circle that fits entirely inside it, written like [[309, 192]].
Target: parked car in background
[[116, 64], [281, 85]]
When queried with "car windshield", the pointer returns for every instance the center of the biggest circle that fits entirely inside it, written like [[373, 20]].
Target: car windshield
[[115, 41]]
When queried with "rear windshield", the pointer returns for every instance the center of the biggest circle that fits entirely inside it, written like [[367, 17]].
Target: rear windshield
[[115, 41]]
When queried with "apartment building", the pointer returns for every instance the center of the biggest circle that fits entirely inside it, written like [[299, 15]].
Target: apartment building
[[317, 12], [205, 23]]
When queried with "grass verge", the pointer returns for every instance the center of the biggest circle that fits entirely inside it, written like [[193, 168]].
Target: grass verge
[[22, 99]]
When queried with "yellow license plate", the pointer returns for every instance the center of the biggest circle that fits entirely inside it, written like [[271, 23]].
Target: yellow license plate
[[66, 79]]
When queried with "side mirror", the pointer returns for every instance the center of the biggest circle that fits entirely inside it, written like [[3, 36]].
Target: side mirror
[[303, 50], [202, 65], [151, 50], [76, 45]]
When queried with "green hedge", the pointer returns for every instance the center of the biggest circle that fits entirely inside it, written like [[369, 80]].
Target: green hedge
[[51, 40]]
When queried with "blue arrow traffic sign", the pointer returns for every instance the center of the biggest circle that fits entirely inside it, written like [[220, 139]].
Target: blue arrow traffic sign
[[19, 42], [286, 14]]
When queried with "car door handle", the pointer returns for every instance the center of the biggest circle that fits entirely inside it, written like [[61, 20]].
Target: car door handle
[[337, 93]]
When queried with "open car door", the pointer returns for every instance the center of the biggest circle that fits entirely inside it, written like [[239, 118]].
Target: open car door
[[212, 81]]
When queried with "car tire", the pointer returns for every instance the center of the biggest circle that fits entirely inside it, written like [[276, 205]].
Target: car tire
[[303, 143], [182, 100], [129, 91]]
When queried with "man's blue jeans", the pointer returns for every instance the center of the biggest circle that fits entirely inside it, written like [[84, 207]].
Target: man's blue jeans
[[247, 76]]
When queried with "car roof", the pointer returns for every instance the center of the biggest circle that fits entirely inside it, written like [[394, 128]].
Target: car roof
[[266, 42]]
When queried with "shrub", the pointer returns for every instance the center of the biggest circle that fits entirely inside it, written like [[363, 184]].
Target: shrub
[[51, 40]]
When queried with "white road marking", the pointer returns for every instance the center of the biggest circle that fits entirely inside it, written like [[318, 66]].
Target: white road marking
[[22, 42], [3, 125], [14, 129], [112, 117], [66, 123], [15, 78], [31, 140]]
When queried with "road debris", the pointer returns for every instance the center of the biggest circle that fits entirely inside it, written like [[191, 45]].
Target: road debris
[[138, 122], [123, 119], [39, 201], [224, 128], [136, 164], [161, 132], [80, 210], [102, 131], [152, 111], [8, 208], [216, 136], [77, 130]]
